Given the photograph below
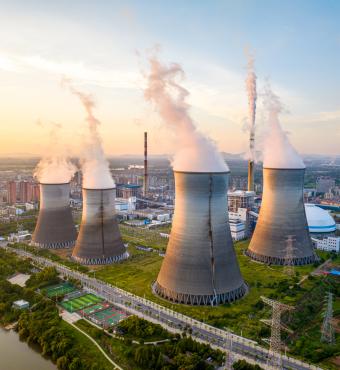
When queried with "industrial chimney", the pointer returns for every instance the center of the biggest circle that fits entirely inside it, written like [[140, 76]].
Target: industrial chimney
[[200, 265], [99, 241], [282, 216], [55, 227], [145, 185]]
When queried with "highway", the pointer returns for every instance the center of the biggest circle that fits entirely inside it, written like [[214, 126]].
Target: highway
[[236, 346]]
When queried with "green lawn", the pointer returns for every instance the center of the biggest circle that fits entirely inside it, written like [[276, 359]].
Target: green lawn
[[86, 349], [137, 274]]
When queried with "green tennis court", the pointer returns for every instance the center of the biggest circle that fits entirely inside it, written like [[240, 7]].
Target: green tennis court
[[80, 303], [109, 316], [58, 290]]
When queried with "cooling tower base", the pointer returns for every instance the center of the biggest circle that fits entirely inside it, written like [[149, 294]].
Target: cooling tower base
[[101, 261], [200, 300], [56, 245], [281, 261]]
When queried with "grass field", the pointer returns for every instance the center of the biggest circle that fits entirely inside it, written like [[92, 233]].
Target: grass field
[[58, 290], [80, 303], [239, 316]]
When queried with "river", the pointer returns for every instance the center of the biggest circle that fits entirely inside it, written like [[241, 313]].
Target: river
[[17, 355]]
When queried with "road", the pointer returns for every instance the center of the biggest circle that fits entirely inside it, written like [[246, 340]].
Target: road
[[239, 347]]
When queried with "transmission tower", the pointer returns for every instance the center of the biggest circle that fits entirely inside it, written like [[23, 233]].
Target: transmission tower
[[289, 260], [327, 330], [229, 359], [274, 358]]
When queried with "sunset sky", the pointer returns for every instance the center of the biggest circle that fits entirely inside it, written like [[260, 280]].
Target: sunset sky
[[103, 47]]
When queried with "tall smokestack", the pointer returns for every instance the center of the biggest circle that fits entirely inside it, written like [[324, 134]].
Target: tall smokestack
[[252, 97], [282, 215], [55, 227], [200, 265], [99, 241], [145, 187]]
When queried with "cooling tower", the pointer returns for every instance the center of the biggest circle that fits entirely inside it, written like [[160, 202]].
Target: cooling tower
[[99, 241], [282, 216], [200, 265], [55, 227]]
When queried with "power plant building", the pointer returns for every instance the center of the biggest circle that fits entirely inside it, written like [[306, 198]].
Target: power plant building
[[99, 241], [200, 265], [55, 227], [282, 217]]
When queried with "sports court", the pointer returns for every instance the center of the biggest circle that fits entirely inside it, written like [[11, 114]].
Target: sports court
[[80, 303], [58, 290], [108, 317], [96, 307]]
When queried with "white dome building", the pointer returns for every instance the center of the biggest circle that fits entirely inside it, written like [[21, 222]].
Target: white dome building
[[319, 220]]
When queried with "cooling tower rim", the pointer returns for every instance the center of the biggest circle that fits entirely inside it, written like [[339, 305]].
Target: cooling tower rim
[[54, 183], [98, 189], [284, 168], [203, 172]]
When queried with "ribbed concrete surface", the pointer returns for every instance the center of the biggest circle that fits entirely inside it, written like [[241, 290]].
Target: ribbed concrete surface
[[99, 240], [55, 226], [282, 215], [200, 265]]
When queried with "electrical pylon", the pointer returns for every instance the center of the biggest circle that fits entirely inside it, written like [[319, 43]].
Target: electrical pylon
[[327, 330], [289, 260], [229, 359], [274, 358]]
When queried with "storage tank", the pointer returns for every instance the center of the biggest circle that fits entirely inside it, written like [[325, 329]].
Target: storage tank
[[99, 241], [282, 216], [55, 227], [200, 265]]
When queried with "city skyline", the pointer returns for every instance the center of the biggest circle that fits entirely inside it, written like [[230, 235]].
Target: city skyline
[[103, 49]]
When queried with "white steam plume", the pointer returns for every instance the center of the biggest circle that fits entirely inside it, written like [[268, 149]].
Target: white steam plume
[[95, 168], [252, 97], [55, 167], [194, 152], [278, 152]]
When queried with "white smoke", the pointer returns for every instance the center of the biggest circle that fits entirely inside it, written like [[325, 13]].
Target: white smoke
[[95, 168], [194, 152], [55, 167], [278, 152], [252, 97]]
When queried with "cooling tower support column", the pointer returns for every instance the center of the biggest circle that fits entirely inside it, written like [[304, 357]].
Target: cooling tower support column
[[99, 241], [55, 227], [282, 216], [200, 265]]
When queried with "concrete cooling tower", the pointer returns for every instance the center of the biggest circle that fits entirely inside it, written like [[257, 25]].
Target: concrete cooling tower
[[99, 240], [282, 216], [55, 227], [200, 265]]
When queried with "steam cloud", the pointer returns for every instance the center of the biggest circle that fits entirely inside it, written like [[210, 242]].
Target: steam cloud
[[194, 152], [252, 97], [95, 168], [278, 152], [55, 167]]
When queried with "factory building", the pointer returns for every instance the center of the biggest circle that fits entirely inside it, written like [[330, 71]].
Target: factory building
[[329, 244], [55, 227], [200, 265], [237, 229], [282, 216], [99, 241]]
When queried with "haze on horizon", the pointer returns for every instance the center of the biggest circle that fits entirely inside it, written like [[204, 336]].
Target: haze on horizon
[[102, 47]]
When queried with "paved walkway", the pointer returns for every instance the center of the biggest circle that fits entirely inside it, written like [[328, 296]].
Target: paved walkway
[[115, 366]]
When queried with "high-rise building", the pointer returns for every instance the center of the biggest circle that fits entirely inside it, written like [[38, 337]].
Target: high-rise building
[[324, 184], [11, 192]]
